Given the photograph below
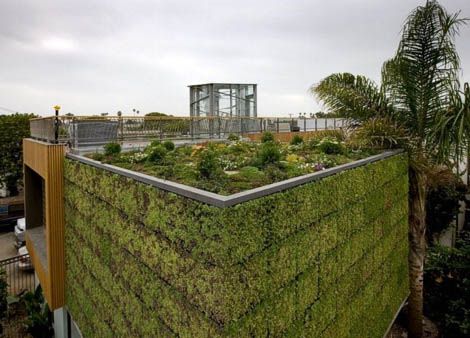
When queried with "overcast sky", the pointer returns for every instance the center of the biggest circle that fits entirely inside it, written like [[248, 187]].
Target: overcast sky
[[93, 56]]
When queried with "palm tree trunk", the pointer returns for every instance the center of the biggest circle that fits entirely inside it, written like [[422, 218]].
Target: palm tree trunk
[[417, 239]]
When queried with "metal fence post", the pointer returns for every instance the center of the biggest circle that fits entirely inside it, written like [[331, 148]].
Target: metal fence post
[[191, 127], [218, 119], [316, 127], [121, 127], [277, 128]]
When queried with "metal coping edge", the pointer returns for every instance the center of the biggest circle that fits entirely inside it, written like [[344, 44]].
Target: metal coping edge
[[396, 316], [222, 201]]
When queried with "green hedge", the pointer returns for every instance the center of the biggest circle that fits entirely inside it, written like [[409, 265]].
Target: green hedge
[[325, 259]]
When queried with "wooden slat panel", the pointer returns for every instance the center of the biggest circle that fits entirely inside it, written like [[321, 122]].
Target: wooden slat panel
[[35, 156], [48, 161], [55, 222]]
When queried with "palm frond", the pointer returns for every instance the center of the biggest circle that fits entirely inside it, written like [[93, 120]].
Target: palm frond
[[379, 133], [354, 97], [452, 131], [419, 79]]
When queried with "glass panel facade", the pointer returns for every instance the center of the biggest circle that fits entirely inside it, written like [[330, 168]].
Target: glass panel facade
[[223, 100]]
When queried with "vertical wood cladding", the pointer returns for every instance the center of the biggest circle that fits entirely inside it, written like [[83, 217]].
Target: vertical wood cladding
[[47, 161]]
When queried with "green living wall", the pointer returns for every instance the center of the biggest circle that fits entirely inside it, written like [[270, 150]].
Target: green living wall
[[324, 259]]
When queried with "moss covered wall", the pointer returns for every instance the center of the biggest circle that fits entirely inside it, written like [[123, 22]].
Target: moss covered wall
[[325, 259]]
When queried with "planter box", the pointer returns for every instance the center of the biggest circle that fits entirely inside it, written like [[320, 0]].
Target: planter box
[[324, 254]]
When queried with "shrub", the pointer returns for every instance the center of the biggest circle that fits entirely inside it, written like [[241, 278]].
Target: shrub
[[186, 150], [269, 154], [136, 157], [274, 173], [157, 154], [442, 203], [155, 143], [250, 174], [330, 147], [238, 148], [97, 156], [297, 139], [212, 146], [233, 137], [112, 149], [447, 287], [267, 137], [208, 165], [169, 145], [39, 321]]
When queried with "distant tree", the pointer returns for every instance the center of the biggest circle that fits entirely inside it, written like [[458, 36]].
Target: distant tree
[[13, 128], [157, 114], [329, 115]]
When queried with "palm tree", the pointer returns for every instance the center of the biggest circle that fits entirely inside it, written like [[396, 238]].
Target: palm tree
[[419, 93]]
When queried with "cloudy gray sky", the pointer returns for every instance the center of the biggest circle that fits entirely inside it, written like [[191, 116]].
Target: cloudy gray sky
[[94, 56]]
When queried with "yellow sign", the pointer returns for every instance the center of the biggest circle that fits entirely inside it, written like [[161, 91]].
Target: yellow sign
[[57, 107]]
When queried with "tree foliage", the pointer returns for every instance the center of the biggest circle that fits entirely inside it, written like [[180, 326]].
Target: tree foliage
[[443, 201], [419, 90], [13, 128], [157, 114]]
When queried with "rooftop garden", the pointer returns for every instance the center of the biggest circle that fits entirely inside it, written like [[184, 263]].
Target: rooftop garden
[[236, 165]]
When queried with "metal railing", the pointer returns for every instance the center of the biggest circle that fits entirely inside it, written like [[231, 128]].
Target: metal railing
[[20, 274], [92, 131]]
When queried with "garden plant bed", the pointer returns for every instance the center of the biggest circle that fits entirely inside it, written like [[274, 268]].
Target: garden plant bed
[[235, 166]]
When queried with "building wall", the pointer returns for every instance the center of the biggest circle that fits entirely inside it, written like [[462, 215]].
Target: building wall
[[325, 259]]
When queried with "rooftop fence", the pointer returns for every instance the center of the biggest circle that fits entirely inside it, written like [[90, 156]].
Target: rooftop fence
[[94, 131]]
